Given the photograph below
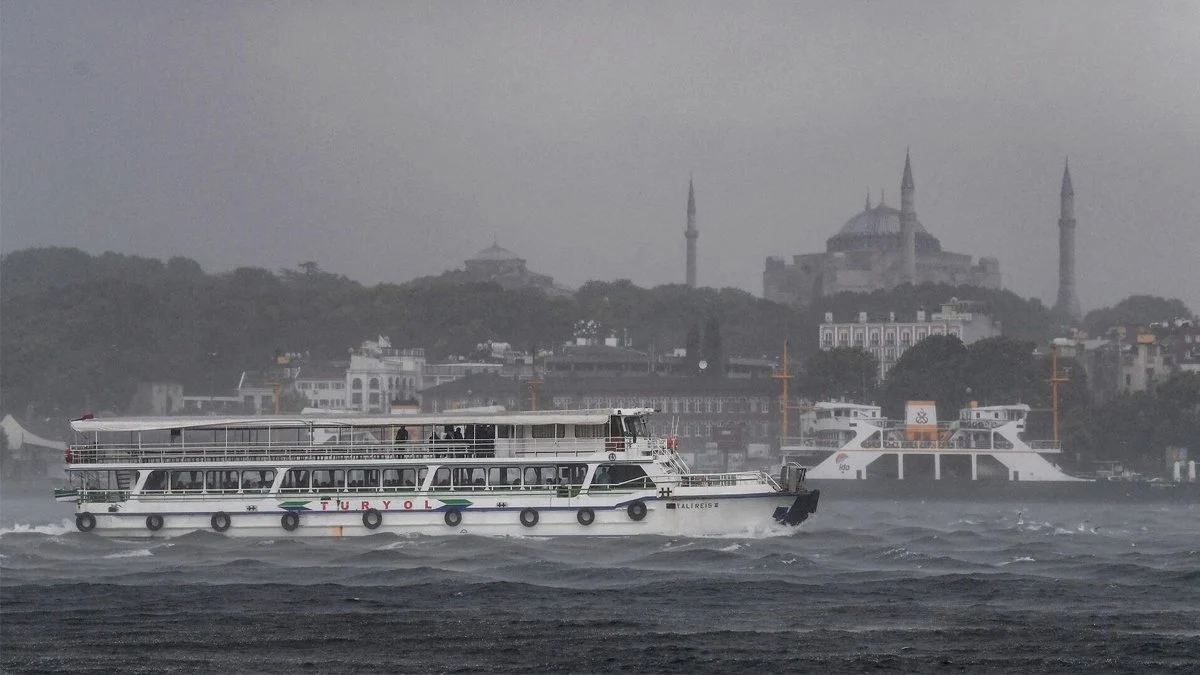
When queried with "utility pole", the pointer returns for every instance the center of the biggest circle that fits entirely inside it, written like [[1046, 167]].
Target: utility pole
[[1055, 379], [783, 376]]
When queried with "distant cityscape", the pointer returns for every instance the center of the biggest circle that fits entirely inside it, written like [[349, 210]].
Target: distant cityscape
[[724, 413]]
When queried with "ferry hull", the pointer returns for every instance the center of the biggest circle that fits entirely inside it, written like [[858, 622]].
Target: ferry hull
[[639, 515], [998, 491]]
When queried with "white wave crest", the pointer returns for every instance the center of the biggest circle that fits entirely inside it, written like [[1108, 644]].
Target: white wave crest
[[53, 529], [136, 553]]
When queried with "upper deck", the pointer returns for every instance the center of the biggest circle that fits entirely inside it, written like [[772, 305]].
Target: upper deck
[[322, 437]]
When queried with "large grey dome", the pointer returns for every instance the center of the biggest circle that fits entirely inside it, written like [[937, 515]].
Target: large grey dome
[[494, 253], [878, 229], [879, 220]]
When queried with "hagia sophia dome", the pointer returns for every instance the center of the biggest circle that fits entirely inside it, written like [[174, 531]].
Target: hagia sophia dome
[[878, 228]]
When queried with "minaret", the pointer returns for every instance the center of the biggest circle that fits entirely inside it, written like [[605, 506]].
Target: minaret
[[1068, 302], [908, 225], [691, 234]]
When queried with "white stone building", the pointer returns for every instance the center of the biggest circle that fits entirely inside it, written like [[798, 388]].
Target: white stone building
[[379, 375], [887, 340]]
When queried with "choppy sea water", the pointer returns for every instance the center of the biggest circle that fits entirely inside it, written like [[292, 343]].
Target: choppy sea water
[[862, 586]]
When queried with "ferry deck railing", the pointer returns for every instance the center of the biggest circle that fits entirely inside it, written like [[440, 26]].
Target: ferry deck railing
[[286, 452]]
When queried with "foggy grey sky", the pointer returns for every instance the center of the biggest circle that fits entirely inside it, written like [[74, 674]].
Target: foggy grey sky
[[391, 140]]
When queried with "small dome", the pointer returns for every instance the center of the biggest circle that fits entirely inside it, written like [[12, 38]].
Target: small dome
[[879, 220], [495, 252]]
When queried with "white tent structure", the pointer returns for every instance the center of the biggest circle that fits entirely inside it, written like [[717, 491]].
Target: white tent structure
[[30, 457]]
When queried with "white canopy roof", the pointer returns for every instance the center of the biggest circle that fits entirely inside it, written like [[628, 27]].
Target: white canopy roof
[[18, 437], [336, 420]]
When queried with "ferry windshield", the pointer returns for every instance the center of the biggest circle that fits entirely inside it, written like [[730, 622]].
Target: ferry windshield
[[635, 426]]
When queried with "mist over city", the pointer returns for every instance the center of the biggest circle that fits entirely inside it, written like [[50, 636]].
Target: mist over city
[[599, 337], [392, 141]]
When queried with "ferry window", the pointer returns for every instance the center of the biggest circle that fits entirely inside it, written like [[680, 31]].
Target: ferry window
[[257, 480], [635, 426], [403, 479], [187, 481], [156, 482], [623, 475], [221, 481], [441, 478], [589, 431], [504, 431], [571, 474], [469, 477], [362, 479], [540, 475], [499, 476], [328, 479], [295, 480], [549, 430]]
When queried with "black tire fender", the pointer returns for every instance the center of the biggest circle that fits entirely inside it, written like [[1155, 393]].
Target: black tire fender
[[372, 519], [220, 521], [154, 522], [529, 517], [290, 521], [453, 517], [637, 510], [585, 516], [85, 522]]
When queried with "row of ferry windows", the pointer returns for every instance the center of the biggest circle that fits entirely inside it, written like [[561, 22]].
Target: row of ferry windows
[[398, 479], [252, 480]]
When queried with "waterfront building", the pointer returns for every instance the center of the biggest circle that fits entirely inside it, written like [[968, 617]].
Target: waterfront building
[[380, 374], [888, 339]]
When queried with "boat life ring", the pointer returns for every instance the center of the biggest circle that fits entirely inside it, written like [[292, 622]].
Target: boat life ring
[[372, 519], [290, 521], [154, 522], [529, 517], [585, 516], [85, 522], [453, 517], [220, 521], [636, 510]]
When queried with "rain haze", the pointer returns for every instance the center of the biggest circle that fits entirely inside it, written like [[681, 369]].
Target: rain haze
[[387, 141]]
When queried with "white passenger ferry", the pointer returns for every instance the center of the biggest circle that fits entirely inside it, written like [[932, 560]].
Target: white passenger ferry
[[587, 472], [854, 451]]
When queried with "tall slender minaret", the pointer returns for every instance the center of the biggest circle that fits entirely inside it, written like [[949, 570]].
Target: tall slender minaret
[[908, 225], [1067, 303], [691, 233]]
